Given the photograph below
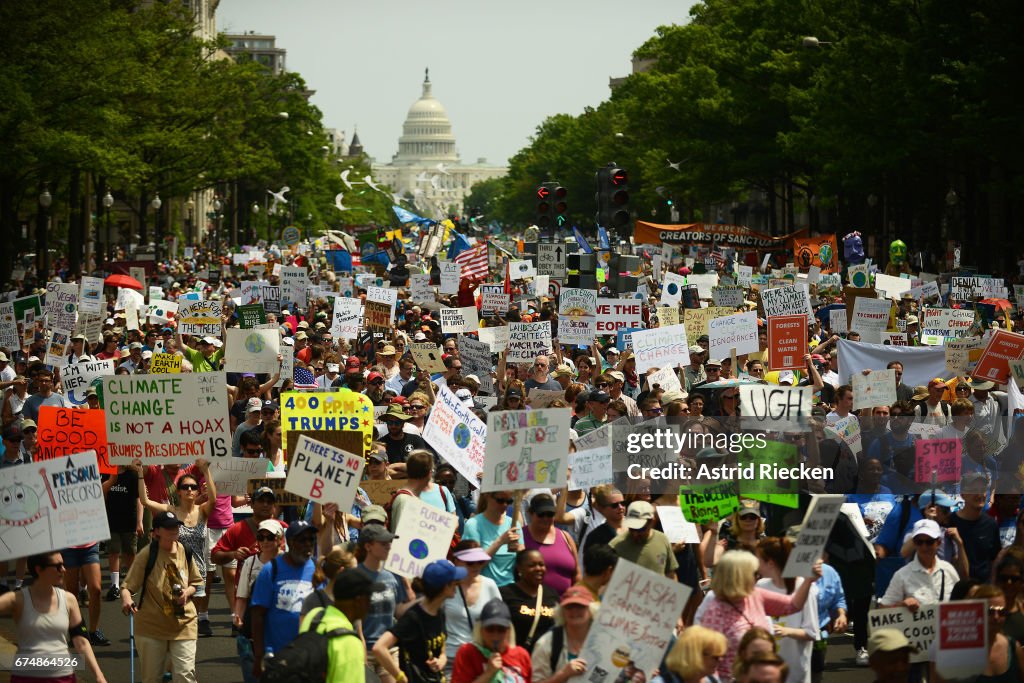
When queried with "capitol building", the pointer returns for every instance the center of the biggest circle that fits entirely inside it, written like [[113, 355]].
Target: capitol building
[[427, 168]]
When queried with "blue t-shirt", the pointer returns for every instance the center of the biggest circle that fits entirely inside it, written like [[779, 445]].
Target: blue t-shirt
[[381, 616], [283, 600], [479, 529]]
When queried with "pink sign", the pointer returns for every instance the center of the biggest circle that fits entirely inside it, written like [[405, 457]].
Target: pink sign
[[938, 457]]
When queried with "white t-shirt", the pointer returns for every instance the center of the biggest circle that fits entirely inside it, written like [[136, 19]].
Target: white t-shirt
[[797, 653], [247, 577]]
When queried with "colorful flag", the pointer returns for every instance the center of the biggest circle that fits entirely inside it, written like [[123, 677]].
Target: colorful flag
[[304, 378], [474, 263]]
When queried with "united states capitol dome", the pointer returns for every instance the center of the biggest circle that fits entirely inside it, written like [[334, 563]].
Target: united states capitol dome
[[427, 131]]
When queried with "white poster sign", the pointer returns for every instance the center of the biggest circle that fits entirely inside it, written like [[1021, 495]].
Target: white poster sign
[[384, 296], [457, 435], [451, 272], [661, 347], [821, 514], [738, 331], [252, 351], [420, 290], [675, 526], [459, 320], [347, 319], [786, 301], [424, 534], [577, 316], [61, 304], [476, 360], [76, 379], [870, 318], [323, 473], [671, 289], [526, 341], [201, 319], [619, 314], [233, 474], [526, 449], [590, 468], [920, 627], [875, 389], [776, 408], [427, 356], [495, 337]]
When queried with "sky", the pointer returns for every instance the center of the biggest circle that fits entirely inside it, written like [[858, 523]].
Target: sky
[[499, 68]]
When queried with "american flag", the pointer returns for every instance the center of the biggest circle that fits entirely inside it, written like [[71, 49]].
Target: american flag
[[718, 256], [474, 263], [304, 378]]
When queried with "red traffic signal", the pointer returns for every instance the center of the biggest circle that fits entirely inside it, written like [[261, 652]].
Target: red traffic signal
[[618, 176], [543, 192]]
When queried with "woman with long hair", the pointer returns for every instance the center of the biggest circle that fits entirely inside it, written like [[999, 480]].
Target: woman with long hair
[[328, 568], [193, 516], [757, 641], [272, 446], [462, 613], [491, 526], [492, 652], [738, 604], [420, 632], [798, 631], [532, 603], [512, 399], [1009, 575], [556, 655], [695, 654], [554, 544]]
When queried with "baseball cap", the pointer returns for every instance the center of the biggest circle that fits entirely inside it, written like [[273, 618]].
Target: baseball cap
[[472, 379], [926, 527], [253, 405], [616, 375], [166, 520], [496, 613], [4, 358], [514, 391], [396, 412], [273, 526], [301, 335], [28, 424], [599, 396], [353, 363], [299, 527], [787, 377], [12, 431], [937, 382], [90, 392], [920, 393], [442, 572], [269, 405], [376, 532], [264, 491], [638, 514], [713, 362], [374, 513], [936, 497], [83, 338], [911, 319], [472, 555], [576, 595], [303, 325], [562, 371], [419, 337], [542, 502], [466, 396], [377, 455], [354, 584], [373, 377], [333, 367], [694, 350], [748, 506], [888, 640]]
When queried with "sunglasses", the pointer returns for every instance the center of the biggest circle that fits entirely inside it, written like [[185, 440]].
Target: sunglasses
[[504, 501], [544, 514], [601, 385], [620, 504], [997, 611], [188, 487], [924, 540], [265, 537], [377, 382], [417, 408], [656, 411], [12, 439], [253, 451]]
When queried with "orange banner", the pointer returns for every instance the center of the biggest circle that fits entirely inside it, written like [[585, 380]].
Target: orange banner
[[735, 236], [817, 251]]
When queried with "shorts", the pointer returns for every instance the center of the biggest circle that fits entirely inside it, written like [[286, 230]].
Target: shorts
[[212, 536], [80, 557], [377, 667], [122, 542]]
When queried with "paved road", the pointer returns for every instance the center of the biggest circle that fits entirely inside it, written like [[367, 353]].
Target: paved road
[[218, 661]]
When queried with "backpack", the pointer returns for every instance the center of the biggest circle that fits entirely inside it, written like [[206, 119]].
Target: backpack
[[921, 409], [456, 537], [557, 641], [246, 629], [154, 549], [305, 659]]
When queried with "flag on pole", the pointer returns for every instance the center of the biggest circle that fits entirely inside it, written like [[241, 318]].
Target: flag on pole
[[304, 378], [474, 263], [718, 256]]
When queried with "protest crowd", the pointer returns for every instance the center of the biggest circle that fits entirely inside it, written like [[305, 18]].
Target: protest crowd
[[463, 475]]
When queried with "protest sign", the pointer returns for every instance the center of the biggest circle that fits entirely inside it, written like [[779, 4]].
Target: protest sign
[[1016, 368], [703, 503], [660, 348], [346, 321], [821, 514], [459, 320], [895, 339], [457, 435], [847, 429], [759, 464], [520, 270], [381, 491], [963, 640], [294, 283], [577, 316], [733, 333], [427, 356], [698, 320], [635, 624], [90, 295], [704, 282], [340, 411], [383, 295], [542, 398], [450, 274], [160, 312], [526, 341], [276, 482], [938, 324], [666, 378], [262, 293], [962, 355], [787, 342], [891, 286], [250, 316], [65, 431], [919, 627], [776, 408], [58, 348], [9, 337], [128, 299], [423, 535], [233, 474], [323, 473], [165, 364], [155, 293], [744, 275], [785, 301], [875, 389], [590, 468], [166, 420], [668, 315], [729, 296], [494, 300], [870, 318], [420, 290], [61, 304], [1002, 348], [376, 316], [618, 314], [77, 378], [675, 526], [858, 275], [937, 460], [526, 449], [476, 360], [201, 319], [496, 338], [51, 505], [253, 351], [837, 321], [671, 289]]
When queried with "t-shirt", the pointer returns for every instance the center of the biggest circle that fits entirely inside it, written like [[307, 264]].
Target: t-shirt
[[122, 503], [201, 363], [550, 385], [460, 630], [383, 603], [247, 575], [797, 653], [156, 617], [601, 535], [399, 450], [282, 597], [240, 535], [470, 662], [30, 411], [479, 529], [655, 553], [523, 608], [345, 654], [981, 544], [421, 636]]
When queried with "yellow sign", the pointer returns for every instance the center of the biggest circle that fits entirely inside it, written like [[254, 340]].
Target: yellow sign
[[696, 320], [165, 363], [343, 410]]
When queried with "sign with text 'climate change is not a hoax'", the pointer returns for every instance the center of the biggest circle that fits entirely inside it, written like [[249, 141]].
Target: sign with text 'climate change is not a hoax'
[[526, 449], [323, 473], [166, 419]]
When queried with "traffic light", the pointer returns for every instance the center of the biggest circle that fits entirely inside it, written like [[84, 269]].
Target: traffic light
[[561, 207], [543, 217], [613, 200]]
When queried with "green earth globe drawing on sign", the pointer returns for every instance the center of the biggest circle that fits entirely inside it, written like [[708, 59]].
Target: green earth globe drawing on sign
[[254, 344], [461, 435]]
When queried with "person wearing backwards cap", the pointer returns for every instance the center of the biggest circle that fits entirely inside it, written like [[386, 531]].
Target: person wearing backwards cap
[[642, 544], [346, 656], [491, 652]]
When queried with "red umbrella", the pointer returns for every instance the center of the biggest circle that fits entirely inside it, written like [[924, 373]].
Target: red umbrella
[[1000, 304], [119, 280]]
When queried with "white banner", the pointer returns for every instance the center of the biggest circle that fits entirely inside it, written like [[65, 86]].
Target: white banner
[[457, 435], [920, 363], [738, 331], [253, 351], [661, 347], [526, 449]]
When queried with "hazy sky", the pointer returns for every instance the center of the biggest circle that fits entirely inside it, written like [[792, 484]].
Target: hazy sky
[[499, 68]]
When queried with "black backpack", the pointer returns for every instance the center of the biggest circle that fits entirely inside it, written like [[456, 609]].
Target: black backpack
[[246, 629], [305, 659]]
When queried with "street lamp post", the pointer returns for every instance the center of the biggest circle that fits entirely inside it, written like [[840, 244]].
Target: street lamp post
[[156, 204], [42, 235], [191, 205], [217, 206], [108, 201], [255, 229]]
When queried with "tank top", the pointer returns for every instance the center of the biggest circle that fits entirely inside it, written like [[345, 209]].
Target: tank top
[[44, 635], [1008, 676], [194, 538], [559, 558]]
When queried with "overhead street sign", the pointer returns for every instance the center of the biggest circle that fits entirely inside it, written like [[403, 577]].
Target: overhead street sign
[[551, 259]]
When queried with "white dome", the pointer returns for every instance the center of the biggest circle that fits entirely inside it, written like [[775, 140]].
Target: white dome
[[427, 132]]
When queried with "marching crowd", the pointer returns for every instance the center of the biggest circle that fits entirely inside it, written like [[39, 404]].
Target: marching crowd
[[307, 585]]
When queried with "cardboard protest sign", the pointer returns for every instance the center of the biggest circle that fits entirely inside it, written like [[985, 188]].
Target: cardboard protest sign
[[542, 398], [65, 431], [376, 316], [675, 526], [276, 482], [250, 316], [919, 627], [937, 460], [496, 338], [383, 295], [61, 304], [963, 637], [424, 534], [895, 339], [76, 379], [346, 320], [729, 296], [875, 389], [201, 318], [787, 342], [526, 449], [737, 332], [776, 408], [870, 318], [476, 360], [381, 491], [457, 435], [661, 347], [165, 364], [494, 300], [252, 351], [577, 316], [821, 514], [166, 419], [698, 320], [635, 624], [427, 356], [619, 314], [342, 410], [459, 320], [262, 293], [667, 315], [51, 505], [324, 474], [451, 272], [786, 301], [703, 503], [90, 295], [590, 468], [1002, 348], [526, 341], [938, 324]]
